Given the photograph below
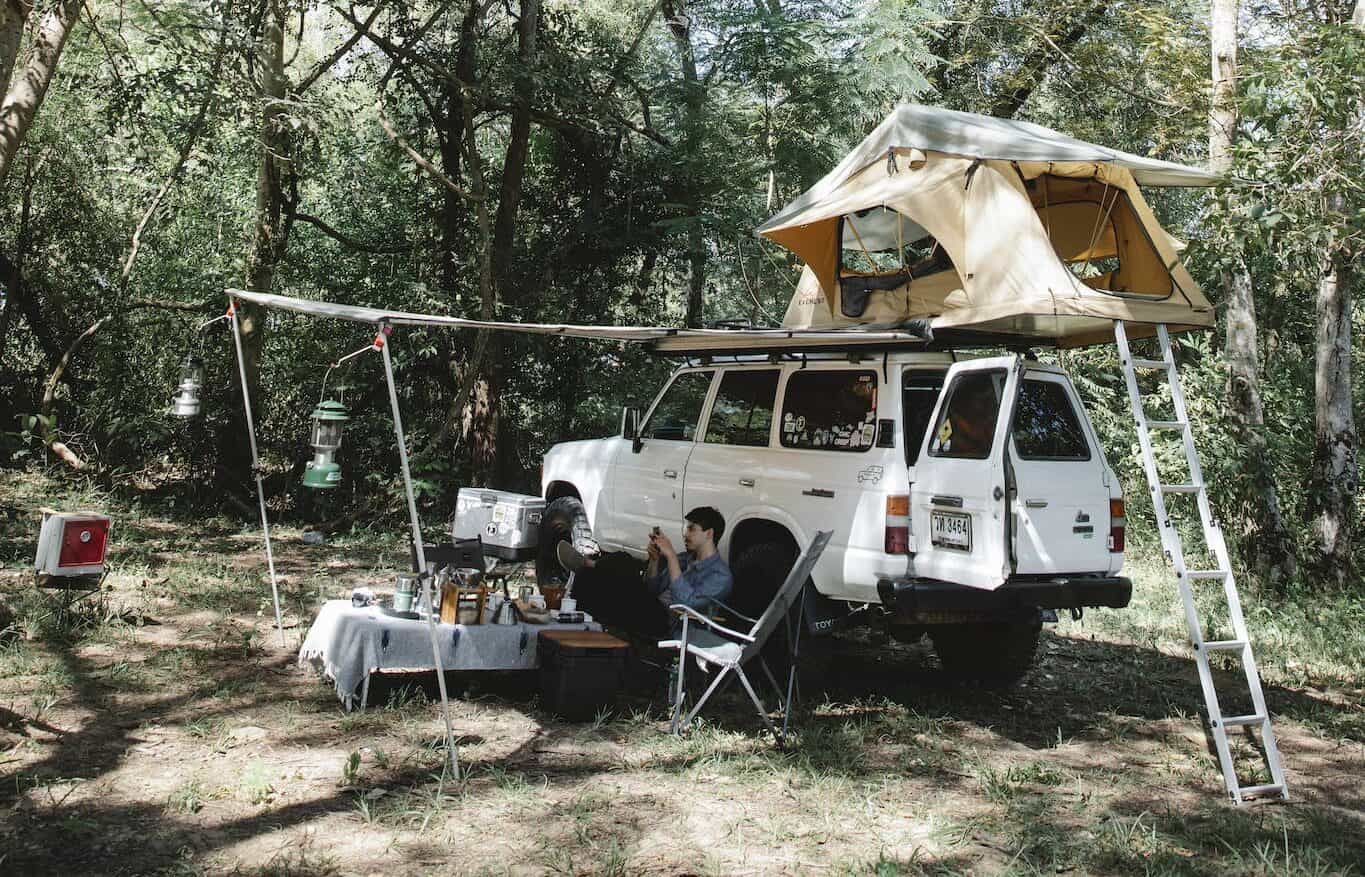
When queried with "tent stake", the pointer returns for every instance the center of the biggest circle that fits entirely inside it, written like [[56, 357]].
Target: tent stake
[[382, 343], [256, 468]]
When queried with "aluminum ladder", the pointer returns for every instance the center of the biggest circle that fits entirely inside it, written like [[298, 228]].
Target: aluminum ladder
[[1217, 546]]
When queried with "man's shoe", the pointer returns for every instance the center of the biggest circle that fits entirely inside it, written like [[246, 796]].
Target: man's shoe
[[569, 558]]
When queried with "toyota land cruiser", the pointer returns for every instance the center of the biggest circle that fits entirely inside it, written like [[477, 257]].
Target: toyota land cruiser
[[967, 498]]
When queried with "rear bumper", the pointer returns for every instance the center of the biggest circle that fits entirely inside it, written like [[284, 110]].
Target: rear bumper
[[912, 595]]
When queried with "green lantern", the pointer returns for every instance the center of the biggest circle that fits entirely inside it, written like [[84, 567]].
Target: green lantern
[[323, 471]]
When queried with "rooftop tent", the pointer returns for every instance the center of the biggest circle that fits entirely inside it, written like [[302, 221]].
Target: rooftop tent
[[990, 226]]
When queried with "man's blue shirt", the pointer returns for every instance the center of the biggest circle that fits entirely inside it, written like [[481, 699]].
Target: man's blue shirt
[[701, 582]]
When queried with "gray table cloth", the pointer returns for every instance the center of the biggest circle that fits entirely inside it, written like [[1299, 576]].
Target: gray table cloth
[[346, 644]]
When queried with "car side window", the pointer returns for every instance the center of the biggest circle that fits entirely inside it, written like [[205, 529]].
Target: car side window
[[675, 417], [966, 427], [919, 393], [743, 411], [1045, 424], [830, 410]]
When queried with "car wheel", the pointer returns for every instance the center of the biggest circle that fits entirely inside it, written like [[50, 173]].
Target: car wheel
[[758, 572], [995, 654], [564, 519]]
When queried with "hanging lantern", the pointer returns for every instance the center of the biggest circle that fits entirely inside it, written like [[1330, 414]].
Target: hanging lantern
[[186, 401], [323, 470]]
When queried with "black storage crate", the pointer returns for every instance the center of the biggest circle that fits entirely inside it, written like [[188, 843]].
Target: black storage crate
[[581, 671]]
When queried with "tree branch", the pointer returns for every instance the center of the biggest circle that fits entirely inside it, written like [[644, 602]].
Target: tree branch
[[349, 241], [190, 139], [326, 63], [417, 157]]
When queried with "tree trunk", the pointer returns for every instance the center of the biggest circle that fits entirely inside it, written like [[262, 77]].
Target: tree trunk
[[518, 146], [1336, 473], [13, 17], [694, 92], [26, 95], [270, 231], [1265, 544], [492, 438]]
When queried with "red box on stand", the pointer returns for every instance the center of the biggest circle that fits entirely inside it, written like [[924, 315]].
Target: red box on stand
[[72, 544]]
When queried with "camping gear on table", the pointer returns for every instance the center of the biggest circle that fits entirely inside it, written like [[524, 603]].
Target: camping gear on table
[[347, 645], [553, 594], [508, 523], [581, 672], [464, 598], [404, 592], [711, 643]]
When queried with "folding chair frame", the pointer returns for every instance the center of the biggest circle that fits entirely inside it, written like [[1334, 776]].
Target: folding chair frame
[[749, 648], [680, 723]]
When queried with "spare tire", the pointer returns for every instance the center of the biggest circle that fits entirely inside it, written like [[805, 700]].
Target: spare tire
[[994, 654], [564, 520]]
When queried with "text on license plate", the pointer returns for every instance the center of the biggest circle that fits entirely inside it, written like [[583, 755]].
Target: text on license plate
[[950, 530]]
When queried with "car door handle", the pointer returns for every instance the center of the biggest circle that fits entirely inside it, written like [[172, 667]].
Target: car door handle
[[952, 502], [670, 473], [825, 494], [746, 482], [1035, 503]]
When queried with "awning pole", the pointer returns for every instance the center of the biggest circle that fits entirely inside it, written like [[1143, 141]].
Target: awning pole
[[382, 343], [256, 468]]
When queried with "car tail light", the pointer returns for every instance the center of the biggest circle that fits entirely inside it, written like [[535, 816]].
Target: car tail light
[[1117, 524], [897, 525]]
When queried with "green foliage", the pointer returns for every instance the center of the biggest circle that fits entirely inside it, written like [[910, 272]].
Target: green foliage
[[632, 166]]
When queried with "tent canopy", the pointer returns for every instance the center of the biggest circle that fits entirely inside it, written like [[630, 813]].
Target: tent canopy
[[988, 225]]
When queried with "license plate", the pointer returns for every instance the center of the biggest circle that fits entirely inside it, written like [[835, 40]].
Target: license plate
[[502, 513], [950, 530]]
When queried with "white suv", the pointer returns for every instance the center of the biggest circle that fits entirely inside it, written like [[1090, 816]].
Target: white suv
[[966, 497]]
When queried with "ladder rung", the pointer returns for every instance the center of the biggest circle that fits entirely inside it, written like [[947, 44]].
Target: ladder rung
[[1239, 721], [1166, 424], [1257, 791], [1225, 645], [1149, 363], [1181, 488], [1206, 573]]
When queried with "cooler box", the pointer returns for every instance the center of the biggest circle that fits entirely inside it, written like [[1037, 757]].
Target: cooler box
[[508, 523], [581, 671]]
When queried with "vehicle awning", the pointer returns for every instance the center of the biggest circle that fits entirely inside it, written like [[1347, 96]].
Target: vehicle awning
[[658, 339]]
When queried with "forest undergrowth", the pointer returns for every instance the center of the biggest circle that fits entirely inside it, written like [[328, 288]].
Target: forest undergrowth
[[164, 730]]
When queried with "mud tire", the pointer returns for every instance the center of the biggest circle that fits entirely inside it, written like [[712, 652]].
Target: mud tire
[[564, 519], [994, 654]]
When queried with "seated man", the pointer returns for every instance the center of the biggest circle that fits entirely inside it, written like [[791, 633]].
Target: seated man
[[626, 593]]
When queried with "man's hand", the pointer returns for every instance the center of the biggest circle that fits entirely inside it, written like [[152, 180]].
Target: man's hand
[[661, 543]]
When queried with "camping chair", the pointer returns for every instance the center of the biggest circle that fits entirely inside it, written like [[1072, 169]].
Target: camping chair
[[719, 646]]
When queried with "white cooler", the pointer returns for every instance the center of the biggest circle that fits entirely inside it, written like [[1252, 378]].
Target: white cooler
[[508, 523]]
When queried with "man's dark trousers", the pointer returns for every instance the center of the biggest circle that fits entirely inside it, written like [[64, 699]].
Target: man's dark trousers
[[615, 593]]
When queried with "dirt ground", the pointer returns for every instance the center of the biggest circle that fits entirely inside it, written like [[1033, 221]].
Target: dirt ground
[[170, 732]]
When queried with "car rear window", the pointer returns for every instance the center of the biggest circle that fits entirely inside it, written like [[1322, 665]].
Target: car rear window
[[919, 394], [1045, 424], [967, 427], [830, 410], [676, 415], [743, 411]]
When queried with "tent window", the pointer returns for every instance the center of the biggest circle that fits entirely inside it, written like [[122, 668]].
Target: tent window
[[1098, 235], [881, 242]]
